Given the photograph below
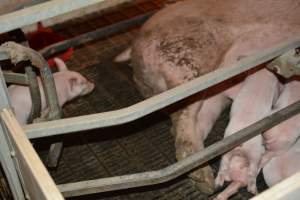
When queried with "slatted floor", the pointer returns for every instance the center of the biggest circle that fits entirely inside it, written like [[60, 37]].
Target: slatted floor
[[143, 145]]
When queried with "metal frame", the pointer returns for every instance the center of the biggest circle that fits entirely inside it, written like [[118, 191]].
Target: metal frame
[[9, 129]]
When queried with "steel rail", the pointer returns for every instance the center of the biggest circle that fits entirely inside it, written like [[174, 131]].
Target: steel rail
[[182, 166], [42, 11], [16, 78], [93, 35], [157, 102]]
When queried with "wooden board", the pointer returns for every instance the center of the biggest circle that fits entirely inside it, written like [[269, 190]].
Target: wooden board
[[37, 180]]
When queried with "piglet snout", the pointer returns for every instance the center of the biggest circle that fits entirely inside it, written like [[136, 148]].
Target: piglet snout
[[88, 87]]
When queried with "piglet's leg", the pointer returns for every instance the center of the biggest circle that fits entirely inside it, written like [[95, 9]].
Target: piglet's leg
[[223, 171], [253, 172], [230, 190]]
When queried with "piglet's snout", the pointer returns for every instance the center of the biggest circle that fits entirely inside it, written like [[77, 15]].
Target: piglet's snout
[[88, 87]]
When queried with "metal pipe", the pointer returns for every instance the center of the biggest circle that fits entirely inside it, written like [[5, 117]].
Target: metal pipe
[[16, 78], [35, 94], [182, 166], [157, 102], [47, 10], [17, 53], [6, 156], [93, 35]]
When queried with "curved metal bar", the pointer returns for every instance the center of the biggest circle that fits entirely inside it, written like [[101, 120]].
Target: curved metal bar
[[183, 166], [34, 93], [157, 102], [19, 53]]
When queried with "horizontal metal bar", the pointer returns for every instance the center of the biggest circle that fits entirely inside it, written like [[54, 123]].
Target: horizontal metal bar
[[44, 11], [183, 166], [93, 35], [16, 78], [157, 102]]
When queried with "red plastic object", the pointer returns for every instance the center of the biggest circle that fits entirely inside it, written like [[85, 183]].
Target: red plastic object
[[44, 37]]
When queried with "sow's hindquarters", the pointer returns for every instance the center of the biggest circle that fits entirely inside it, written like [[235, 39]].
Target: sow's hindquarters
[[194, 37]]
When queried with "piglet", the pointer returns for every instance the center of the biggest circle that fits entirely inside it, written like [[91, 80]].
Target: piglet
[[283, 166], [282, 137], [69, 85], [252, 103]]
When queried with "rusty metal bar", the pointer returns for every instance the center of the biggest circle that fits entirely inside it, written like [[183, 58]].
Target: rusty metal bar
[[157, 102], [182, 166], [47, 10]]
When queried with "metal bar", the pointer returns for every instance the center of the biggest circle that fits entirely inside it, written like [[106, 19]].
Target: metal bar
[[16, 78], [6, 158], [182, 166], [157, 102], [37, 179], [35, 94], [48, 84], [47, 10], [37, 60], [93, 35]]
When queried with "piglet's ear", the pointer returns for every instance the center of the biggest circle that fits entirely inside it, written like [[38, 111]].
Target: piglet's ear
[[60, 64]]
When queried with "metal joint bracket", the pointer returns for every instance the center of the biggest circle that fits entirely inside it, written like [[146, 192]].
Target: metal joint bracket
[[17, 53], [287, 65]]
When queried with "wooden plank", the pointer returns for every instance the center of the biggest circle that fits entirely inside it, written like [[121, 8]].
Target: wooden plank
[[288, 189], [46, 10], [36, 178]]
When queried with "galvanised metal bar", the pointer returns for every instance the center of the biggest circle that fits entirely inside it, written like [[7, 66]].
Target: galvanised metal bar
[[12, 49], [93, 35], [34, 93], [19, 53], [157, 102], [6, 149], [47, 10], [17, 78], [182, 166], [11, 77]]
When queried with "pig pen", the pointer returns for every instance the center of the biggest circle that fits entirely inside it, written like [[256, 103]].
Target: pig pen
[[143, 145]]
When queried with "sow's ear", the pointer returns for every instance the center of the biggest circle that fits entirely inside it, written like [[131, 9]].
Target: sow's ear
[[61, 66]]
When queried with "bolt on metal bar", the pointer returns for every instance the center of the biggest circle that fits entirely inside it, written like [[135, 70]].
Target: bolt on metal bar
[[93, 35], [182, 166], [157, 102], [47, 10]]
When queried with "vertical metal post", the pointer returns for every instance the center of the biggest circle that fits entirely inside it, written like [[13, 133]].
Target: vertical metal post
[[6, 155]]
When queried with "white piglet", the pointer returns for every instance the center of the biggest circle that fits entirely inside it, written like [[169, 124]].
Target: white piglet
[[69, 85], [254, 101], [283, 166], [282, 137]]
